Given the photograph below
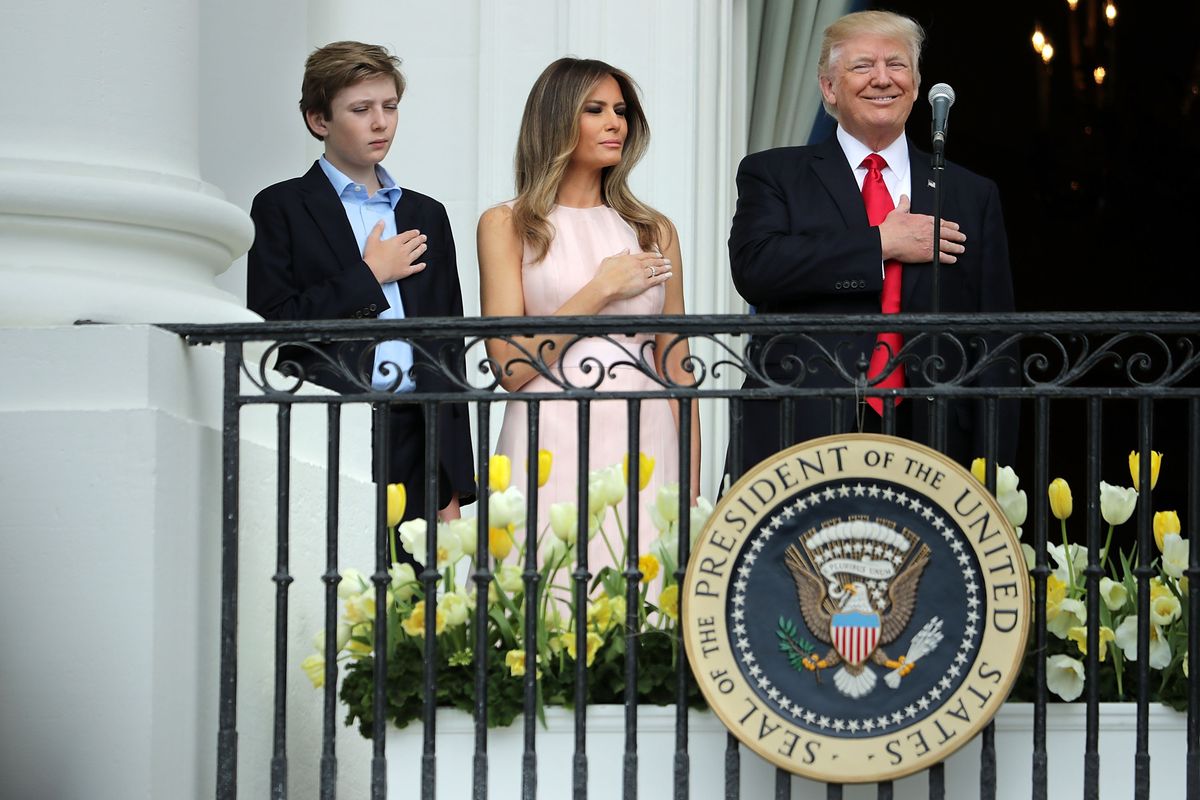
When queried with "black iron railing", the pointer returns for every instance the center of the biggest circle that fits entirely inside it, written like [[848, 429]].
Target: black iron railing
[[1098, 381]]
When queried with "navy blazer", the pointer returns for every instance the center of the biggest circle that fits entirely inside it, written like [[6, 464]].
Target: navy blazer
[[800, 243], [305, 265]]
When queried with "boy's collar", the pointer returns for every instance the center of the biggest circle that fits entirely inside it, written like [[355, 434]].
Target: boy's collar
[[340, 180]]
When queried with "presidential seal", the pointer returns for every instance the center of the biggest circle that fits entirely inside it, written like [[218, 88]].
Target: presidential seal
[[856, 608]]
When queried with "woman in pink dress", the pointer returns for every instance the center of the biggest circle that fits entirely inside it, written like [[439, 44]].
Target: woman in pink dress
[[575, 241]]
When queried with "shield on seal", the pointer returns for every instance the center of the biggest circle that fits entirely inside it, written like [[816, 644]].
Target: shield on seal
[[855, 635]]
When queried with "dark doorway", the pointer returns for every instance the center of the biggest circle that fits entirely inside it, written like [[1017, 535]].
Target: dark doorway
[[1098, 181]]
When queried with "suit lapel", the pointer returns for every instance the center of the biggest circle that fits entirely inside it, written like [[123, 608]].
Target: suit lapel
[[835, 174], [917, 284], [410, 294], [329, 217]]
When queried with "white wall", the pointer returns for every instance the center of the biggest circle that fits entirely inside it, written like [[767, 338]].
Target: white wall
[[109, 535]]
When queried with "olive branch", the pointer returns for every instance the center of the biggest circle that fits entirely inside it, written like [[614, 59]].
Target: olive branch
[[793, 644]]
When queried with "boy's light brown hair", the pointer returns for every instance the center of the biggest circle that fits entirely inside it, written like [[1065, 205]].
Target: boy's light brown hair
[[335, 66]]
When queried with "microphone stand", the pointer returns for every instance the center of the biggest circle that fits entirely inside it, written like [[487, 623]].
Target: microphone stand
[[939, 166], [936, 420]]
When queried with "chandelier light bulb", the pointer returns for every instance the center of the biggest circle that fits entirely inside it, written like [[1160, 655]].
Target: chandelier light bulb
[[1110, 13], [1072, 4], [1099, 73], [1047, 52], [1039, 40]]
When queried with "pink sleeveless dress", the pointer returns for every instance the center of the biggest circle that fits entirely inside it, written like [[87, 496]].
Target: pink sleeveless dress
[[583, 237]]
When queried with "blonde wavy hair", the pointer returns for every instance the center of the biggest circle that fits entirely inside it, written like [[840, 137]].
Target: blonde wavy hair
[[548, 136]]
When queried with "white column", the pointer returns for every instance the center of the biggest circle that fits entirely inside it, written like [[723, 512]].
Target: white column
[[103, 213]]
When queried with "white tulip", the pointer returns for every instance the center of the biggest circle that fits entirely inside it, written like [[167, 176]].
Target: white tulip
[[1113, 594], [1079, 559], [1064, 676], [510, 578], [506, 508], [616, 484], [353, 583], [1174, 555], [449, 547], [660, 524], [1126, 639], [564, 521], [1015, 506], [597, 496], [467, 531], [456, 608], [412, 538], [699, 516], [1071, 614], [555, 552], [1006, 482], [403, 580], [667, 502], [1117, 503]]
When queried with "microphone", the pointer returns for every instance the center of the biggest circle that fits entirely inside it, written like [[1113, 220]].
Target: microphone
[[941, 97]]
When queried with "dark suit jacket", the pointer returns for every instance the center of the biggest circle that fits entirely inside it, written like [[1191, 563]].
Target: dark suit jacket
[[800, 243], [305, 265]]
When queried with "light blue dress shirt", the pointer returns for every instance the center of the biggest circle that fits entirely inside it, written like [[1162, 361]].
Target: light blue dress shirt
[[364, 212]]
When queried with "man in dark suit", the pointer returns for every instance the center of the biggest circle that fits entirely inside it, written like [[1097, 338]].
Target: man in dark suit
[[343, 241], [801, 242]]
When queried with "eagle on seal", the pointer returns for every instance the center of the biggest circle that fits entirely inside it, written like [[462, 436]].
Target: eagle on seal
[[839, 612]]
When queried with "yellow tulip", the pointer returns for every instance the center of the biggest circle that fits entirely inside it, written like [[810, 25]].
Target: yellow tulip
[[600, 613], [1056, 592], [1060, 498], [358, 649], [1078, 635], [1135, 467], [314, 668], [499, 472], [515, 661], [397, 501], [668, 601], [500, 543], [594, 640], [1165, 522], [545, 459], [648, 566], [645, 469], [414, 625], [979, 470]]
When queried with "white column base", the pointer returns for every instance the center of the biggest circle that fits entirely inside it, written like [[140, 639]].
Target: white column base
[[111, 244]]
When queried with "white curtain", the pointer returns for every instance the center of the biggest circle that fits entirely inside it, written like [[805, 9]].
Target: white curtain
[[783, 44]]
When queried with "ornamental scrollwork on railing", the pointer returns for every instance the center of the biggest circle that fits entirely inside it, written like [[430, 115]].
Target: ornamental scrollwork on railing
[[1134, 359], [719, 356]]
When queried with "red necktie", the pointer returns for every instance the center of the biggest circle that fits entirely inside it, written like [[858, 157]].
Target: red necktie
[[879, 204]]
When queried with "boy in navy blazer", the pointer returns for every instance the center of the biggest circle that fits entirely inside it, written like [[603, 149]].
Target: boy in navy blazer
[[344, 241]]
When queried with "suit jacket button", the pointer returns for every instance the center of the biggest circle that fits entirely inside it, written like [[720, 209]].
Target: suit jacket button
[[837, 285], [372, 306]]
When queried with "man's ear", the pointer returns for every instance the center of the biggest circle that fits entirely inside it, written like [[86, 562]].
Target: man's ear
[[827, 90], [317, 122]]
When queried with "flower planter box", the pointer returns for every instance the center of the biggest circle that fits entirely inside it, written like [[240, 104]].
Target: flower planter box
[[1065, 732]]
